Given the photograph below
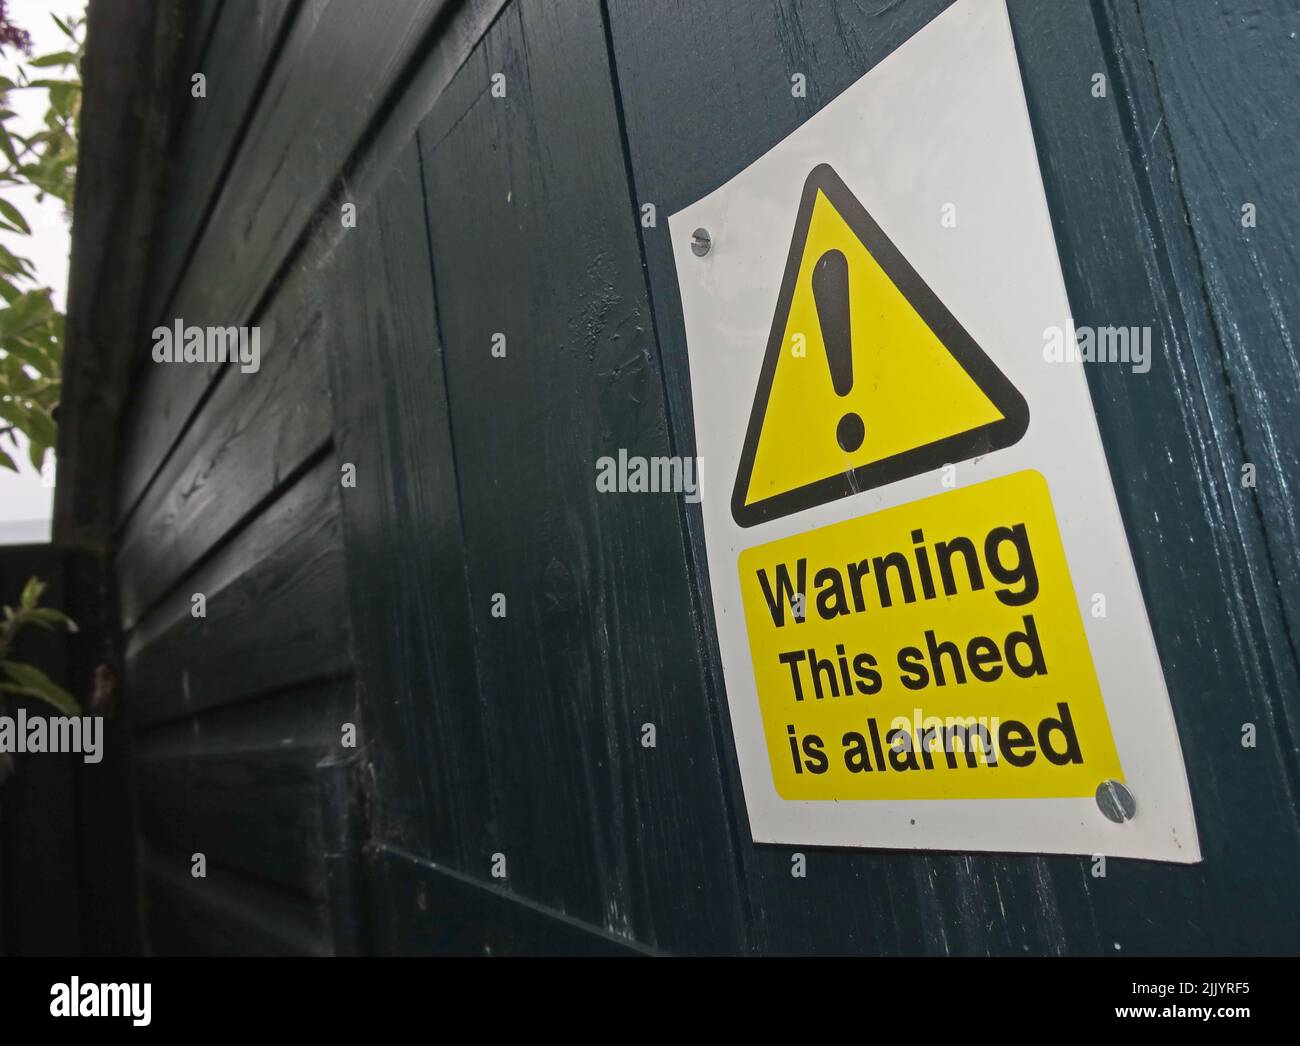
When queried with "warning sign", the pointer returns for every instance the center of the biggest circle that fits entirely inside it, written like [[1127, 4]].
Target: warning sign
[[858, 335], [930, 625], [934, 650]]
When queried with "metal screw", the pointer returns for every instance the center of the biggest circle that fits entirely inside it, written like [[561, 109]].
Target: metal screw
[[701, 242], [1116, 802]]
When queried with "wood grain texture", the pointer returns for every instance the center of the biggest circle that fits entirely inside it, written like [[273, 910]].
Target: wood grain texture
[[277, 612], [406, 551], [1224, 73], [253, 435], [533, 235], [236, 57], [426, 909], [239, 784], [332, 75]]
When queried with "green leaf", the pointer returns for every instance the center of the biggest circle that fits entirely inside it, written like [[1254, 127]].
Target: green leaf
[[32, 592], [58, 58], [31, 307], [12, 413], [41, 427], [14, 215], [12, 264], [36, 358], [7, 145], [63, 97], [31, 329], [36, 683], [48, 618]]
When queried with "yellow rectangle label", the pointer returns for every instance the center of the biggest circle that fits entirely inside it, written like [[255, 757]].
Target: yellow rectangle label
[[930, 651]]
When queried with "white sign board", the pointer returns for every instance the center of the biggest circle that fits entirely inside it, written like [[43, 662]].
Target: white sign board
[[930, 625]]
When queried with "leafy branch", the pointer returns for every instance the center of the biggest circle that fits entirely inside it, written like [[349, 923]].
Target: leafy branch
[[31, 328], [26, 680]]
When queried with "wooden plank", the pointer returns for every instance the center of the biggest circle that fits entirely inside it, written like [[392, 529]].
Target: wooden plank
[[1215, 652], [403, 531], [129, 75], [1227, 89], [422, 908], [200, 15], [533, 235], [235, 61], [225, 914], [253, 435], [392, 424], [239, 784], [277, 612], [332, 77]]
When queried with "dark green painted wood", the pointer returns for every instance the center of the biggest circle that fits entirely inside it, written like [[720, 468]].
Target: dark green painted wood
[[239, 784], [236, 53], [277, 612], [196, 31], [272, 566], [1225, 76], [406, 552], [128, 73], [225, 914], [237, 57], [332, 76], [253, 436], [533, 235], [425, 909]]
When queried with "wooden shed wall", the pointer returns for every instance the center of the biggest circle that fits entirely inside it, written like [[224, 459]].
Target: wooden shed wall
[[519, 736]]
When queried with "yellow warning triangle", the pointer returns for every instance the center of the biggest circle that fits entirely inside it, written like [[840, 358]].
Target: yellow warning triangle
[[868, 378]]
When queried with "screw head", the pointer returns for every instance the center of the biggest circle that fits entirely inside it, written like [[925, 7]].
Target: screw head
[[1116, 802], [701, 242]]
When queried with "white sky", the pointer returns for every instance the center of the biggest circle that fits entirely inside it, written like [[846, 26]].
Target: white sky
[[26, 500]]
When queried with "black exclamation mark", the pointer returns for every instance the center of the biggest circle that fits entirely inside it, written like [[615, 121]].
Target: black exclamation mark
[[830, 285]]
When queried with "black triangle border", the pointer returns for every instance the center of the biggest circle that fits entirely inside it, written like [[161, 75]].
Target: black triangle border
[[961, 346]]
